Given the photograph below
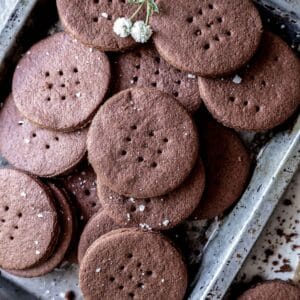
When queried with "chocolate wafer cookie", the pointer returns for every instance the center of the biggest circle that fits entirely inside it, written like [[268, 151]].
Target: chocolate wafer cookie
[[92, 22], [28, 221], [143, 67], [67, 224], [81, 183], [162, 212], [142, 143], [275, 289], [227, 166], [263, 95], [59, 83], [99, 225], [208, 38], [38, 151], [132, 264]]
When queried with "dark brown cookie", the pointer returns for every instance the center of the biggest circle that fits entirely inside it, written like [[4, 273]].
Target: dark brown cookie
[[275, 289], [162, 212], [67, 224], [227, 165], [28, 221], [132, 264], [263, 95], [59, 83], [142, 143], [143, 67], [99, 225], [81, 183], [92, 22], [38, 151], [208, 38]]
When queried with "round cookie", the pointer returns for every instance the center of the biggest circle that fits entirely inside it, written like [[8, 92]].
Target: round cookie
[[59, 83], [142, 143], [28, 221], [208, 38], [227, 166], [92, 22], [38, 151], [160, 213], [81, 183], [275, 289], [143, 67], [99, 225], [132, 264], [67, 232], [263, 95]]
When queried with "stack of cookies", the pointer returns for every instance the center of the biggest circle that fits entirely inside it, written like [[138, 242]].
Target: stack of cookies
[[153, 159]]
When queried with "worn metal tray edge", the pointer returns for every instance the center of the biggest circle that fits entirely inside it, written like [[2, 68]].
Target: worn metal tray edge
[[226, 252]]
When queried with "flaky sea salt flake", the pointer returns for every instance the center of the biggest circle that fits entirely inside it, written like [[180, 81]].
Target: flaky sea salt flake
[[104, 15], [166, 222], [191, 76], [237, 79], [142, 208]]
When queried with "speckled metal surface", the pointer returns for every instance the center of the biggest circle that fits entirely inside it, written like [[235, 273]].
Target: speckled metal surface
[[221, 244]]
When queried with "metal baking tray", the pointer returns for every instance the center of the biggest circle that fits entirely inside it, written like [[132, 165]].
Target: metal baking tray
[[217, 248]]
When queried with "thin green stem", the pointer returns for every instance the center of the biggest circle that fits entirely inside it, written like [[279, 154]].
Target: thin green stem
[[137, 11], [149, 11]]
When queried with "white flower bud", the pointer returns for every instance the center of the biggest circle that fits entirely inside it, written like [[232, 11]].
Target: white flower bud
[[141, 32], [122, 27]]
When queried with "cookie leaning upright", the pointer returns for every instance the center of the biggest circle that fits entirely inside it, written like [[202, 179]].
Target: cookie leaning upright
[[91, 22], [208, 38], [142, 143], [29, 223], [59, 83], [265, 95], [132, 264]]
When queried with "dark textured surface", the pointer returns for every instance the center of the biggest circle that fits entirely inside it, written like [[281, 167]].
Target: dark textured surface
[[204, 37], [142, 143], [67, 224], [162, 212], [132, 264], [84, 20], [39, 151], [81, 183], [227, 165], [99, 225], [274, 289], [143, 67], [59, 83], [268, 94], [28, 221]]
